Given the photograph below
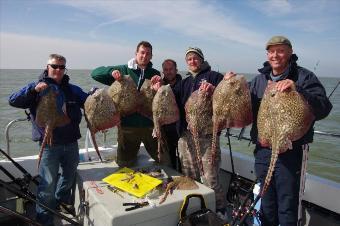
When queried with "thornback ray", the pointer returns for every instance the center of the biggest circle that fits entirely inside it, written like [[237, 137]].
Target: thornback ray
[[51, 113], [125, 95], [147, 93], [165, 111], [231, 107], [283, 117], [100, 114], [198, 111]]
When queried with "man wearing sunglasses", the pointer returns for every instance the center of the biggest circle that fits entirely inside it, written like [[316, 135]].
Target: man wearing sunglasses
[[64, 152]]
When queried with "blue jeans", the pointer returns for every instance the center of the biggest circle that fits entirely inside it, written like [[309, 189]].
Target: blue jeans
[[53, 190]]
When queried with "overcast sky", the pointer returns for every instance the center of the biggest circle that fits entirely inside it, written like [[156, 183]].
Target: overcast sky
[[231, 34]]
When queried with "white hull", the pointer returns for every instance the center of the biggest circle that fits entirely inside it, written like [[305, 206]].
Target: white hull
[[319, 192]]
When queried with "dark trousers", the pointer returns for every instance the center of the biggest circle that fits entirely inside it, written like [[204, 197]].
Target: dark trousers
[[129, 141], [279, 205], [171, 142]]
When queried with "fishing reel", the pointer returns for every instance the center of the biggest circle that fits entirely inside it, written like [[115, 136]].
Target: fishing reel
[[246, 213], [240, 196], [238, 189]]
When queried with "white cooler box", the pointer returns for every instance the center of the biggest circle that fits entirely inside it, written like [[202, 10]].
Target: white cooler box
[[103, 207]]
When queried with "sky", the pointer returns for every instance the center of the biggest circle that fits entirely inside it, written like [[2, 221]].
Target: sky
[[231, 34]]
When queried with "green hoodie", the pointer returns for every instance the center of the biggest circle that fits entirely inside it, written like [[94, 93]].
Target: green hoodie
[[104, 75]]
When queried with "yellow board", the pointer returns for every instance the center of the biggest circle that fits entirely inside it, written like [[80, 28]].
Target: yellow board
[[135, 183]]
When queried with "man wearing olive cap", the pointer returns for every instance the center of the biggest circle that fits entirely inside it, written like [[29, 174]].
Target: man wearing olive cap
[[279, 205]]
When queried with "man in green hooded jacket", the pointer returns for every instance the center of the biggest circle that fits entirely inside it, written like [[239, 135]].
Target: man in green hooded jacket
[[135, 128]]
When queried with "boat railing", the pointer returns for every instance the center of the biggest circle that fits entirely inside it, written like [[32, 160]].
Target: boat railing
[[88, 139], [8, 126], [240, 136], [327, 133]]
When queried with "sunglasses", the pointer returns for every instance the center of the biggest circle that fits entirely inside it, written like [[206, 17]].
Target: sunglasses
[[55, 66]]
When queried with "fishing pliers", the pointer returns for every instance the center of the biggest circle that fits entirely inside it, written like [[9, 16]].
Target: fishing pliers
[[135, 205]]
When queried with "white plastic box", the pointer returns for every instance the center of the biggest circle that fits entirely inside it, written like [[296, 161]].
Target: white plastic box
[[106, 209]]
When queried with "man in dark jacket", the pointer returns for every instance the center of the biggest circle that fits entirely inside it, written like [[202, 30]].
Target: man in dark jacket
[[170, 73], [200, 76], [279, 205], [135, 128], [171, 137], [64, 151]]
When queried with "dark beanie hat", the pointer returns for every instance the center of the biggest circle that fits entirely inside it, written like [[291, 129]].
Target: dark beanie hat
[[196, 50]]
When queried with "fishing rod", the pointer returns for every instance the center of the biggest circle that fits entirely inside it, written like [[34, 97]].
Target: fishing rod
[[19, 215], [27, 176], [22, 184], [334, 89], [240, 211], [249, 210], [231, 154], [27, 179], [27, 197]]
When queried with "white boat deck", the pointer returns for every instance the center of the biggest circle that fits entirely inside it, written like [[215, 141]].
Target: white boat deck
[[318, 191]]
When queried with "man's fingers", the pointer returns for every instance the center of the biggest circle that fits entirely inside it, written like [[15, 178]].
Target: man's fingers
[[229, 75]]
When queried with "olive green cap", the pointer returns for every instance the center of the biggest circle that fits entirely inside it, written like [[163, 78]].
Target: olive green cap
[[277, 40]]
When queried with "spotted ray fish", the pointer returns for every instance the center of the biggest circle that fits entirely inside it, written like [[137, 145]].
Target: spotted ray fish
[[165, 111], [231, 107], [283, 117], [198, 109], [125, 95], [50, 114], [100, 114], [146, 97], [180, 183]]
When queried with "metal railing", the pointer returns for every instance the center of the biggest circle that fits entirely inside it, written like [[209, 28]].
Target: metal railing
[[88, 138], [7, 132]]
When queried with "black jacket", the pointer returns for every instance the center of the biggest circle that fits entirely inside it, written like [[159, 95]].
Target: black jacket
[[306, 83], [187, 86], [178, 79]]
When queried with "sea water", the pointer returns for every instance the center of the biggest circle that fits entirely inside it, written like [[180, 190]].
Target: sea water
[[324, 155]]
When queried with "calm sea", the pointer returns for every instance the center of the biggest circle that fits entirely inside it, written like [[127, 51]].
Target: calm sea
[[324, 155]]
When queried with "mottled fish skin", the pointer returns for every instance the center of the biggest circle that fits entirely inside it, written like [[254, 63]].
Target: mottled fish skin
[[180, 183], [100, 114], [49, 115], [125, 95], [283, 117], [231, 106], [147, 93], [165, 111], [198, 109]]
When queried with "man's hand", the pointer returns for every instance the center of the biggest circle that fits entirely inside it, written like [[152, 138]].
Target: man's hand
[[92, 90], [285, 85], [40, 86], [116, 75], [156, 82], [207, 87], [229, 75]]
